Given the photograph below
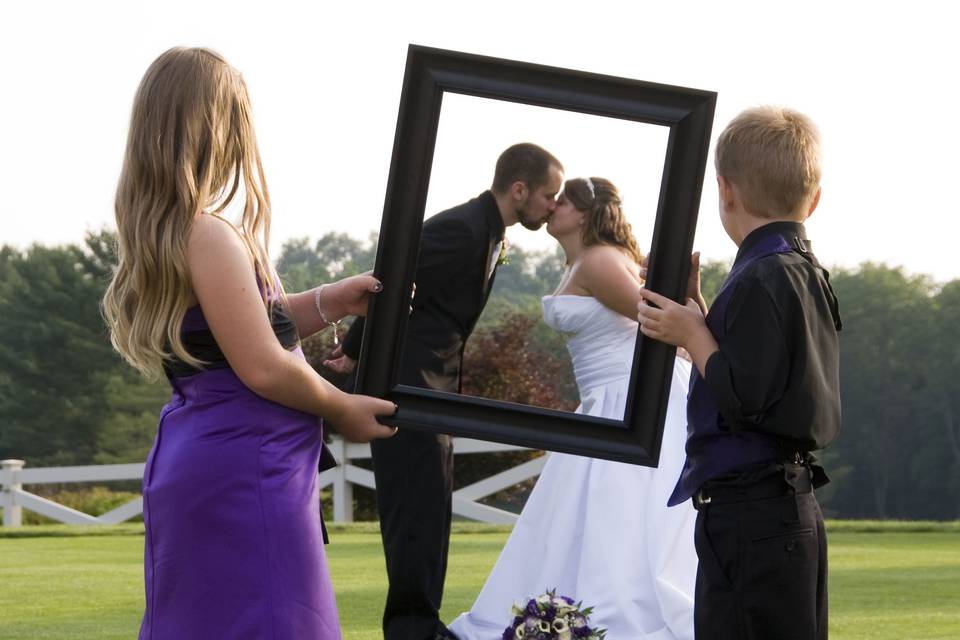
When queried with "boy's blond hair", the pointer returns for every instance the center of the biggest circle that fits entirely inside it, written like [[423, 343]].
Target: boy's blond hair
[[772, 156]]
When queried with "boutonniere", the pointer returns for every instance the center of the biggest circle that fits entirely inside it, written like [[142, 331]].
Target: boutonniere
[[502, 258]]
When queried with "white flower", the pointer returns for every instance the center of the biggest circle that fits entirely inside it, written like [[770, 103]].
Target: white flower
[[564, 635], [519, 633], [544, 626], [560, 625]]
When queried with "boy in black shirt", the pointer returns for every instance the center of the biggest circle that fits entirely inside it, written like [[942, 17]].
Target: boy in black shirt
[[764, 393]]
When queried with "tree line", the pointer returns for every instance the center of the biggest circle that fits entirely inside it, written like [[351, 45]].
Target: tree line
[[66, 397]]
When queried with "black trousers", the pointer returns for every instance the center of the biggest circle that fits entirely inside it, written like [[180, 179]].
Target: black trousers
[[414, 474], [763, 560]]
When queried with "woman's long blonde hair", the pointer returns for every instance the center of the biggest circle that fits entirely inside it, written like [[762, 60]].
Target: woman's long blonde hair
[[191, 143]]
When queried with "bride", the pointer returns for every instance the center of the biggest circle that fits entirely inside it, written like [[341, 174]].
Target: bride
[[600, 531]]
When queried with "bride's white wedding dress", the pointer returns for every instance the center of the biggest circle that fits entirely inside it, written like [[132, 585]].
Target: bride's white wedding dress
[[601, 531]]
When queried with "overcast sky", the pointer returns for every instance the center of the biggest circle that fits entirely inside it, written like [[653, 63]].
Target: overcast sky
[[325, 79]]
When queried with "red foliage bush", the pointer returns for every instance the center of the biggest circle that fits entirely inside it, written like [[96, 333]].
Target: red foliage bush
[[500, 363]]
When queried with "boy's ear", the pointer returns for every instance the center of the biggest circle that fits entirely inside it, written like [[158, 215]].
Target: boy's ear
[[726, 193], [813, 204]]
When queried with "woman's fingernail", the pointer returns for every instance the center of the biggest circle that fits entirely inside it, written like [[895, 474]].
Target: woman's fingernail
[[378, 287]]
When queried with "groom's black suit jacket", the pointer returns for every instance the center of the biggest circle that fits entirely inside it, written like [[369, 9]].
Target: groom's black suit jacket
[[414, 470], [456, 253]]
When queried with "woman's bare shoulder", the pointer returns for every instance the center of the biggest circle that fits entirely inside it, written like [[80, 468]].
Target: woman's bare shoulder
[[600, 258], [213, 234]]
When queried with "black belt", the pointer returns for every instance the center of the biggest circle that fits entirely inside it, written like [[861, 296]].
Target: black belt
[[783, 478]]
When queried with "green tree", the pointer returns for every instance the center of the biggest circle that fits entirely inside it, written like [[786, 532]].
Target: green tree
[[884, 386], [945, 398], [53, 351], [529, 273], [526, 277], [712, 275], [56, 361], [131, 411], [67, 398], [335, 255]]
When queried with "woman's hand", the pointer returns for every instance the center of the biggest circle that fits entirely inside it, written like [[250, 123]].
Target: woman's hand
[[349, 297], [693, 283], [340, 362], [356, 418], [693, 280]]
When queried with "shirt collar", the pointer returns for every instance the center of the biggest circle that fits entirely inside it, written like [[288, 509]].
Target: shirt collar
[[793, 232], [492, 211]]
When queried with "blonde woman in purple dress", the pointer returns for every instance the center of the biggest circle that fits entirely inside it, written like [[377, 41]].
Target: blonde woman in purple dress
[[231, 505]]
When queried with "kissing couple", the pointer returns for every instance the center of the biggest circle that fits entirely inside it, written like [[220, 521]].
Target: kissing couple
[[596, 530]]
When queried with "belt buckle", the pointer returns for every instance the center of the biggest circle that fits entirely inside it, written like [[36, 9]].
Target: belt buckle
[[701, 499]]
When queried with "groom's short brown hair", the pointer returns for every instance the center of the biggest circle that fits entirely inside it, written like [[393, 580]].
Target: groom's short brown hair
[[524, 162]]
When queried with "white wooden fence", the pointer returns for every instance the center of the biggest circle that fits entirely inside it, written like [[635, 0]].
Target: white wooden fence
[[13, 475]]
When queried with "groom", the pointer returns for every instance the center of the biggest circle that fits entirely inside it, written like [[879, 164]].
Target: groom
[[459, 250]]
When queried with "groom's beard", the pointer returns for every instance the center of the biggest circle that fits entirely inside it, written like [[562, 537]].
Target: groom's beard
[[523, 217]]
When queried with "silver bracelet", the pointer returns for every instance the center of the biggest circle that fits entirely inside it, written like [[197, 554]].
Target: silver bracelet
[[323, 316]]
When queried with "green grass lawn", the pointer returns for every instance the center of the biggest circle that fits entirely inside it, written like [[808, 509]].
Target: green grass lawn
[[888, 581]]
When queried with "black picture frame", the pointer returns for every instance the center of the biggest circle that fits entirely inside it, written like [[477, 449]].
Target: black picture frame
[[429, 74]]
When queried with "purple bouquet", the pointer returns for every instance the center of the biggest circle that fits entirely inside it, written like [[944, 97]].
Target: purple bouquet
[[551, 617]]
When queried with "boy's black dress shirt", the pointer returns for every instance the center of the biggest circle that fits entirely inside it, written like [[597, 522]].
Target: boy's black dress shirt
[[772, 388]]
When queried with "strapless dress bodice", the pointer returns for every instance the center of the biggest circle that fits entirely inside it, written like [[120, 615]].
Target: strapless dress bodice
[[600, 340]]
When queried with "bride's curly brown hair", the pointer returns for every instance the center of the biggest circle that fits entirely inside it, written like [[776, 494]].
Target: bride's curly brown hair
[[605, 221]]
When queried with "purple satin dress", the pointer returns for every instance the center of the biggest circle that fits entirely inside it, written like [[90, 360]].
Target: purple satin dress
[[231, 510]]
